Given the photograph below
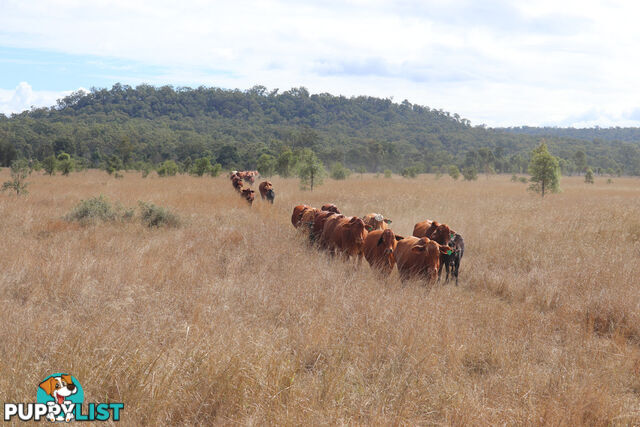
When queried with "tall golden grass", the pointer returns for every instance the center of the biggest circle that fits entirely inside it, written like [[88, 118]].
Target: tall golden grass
[[233, 317]]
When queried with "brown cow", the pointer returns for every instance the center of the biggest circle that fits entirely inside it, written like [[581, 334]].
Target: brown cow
[[441, 233], [419, 257], [330, 208], [318, 225], [248, 194], [298, 211], [378, 250], [348, 237], [326, 238], [421, 228], [237, 183], [308, 216], [266, 191], [375, 221]]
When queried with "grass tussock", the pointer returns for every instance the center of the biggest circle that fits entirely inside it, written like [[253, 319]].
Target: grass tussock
[[98, 209], [234, 318], [157, 216]]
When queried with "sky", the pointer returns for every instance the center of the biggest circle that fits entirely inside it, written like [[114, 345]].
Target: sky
[[494, 62]]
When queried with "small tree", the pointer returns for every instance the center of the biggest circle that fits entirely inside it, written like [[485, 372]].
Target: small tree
[[470, 173], [410, 172], [201, 166], [114, 164], [545, 171], [588, 177], [168, 168], [215, 170], [311, 170], [50, 164], [285, 164], [20, 170], [361, 170], [338, 171], [65, 163], [266, 165], [454, 172]]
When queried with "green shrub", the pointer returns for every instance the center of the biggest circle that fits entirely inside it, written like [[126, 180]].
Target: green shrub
[[387, 173], [20, 170], [470, 173], [113, 164], [410, 172], [338, 171], [98, 209], [201, 166], [168, 168], [523, 179], [157, 216], [588, 177], [50, 164], [454, 172], [215, 170]]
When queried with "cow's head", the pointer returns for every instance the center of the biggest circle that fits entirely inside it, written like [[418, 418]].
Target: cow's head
[[441, 234], [330, 208], [358, 229], [387, 240]]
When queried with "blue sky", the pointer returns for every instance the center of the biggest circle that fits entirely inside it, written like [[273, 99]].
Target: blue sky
[[497, 62]]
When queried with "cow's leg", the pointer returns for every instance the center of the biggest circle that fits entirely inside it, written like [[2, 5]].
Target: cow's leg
[[456, 270]]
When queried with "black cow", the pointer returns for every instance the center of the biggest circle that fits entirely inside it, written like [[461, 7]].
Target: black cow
[[452, 258]]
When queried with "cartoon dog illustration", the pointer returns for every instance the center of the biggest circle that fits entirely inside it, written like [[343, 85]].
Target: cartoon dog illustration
[[59, 388]]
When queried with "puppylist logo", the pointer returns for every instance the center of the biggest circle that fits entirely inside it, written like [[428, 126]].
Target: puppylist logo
[[60, 399]]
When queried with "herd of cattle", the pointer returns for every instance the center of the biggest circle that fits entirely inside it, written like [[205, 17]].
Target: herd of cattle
[[431, 247], [238, 178]]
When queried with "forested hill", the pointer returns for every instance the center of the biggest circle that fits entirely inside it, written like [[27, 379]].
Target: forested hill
[[589, 134], [234, 128]]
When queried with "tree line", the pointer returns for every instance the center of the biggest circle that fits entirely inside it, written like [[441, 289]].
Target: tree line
[[146, 127]]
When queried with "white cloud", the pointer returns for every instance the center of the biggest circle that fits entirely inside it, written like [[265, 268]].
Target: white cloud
[[23, 97], [498, 62]]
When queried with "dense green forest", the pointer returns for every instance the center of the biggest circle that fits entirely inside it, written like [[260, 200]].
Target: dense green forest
[[235, 128]]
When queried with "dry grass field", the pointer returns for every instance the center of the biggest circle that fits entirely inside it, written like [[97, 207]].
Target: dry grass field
[[233, 318]]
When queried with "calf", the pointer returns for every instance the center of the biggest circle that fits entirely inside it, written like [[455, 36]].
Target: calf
[[326, 238], [296, 216], [348, 237], [266, 191], [330, 208], [237, 183], [419, 257], [433, 230], [375, 221], [379, 246], [248, 194], [318, 224], [451, 259]]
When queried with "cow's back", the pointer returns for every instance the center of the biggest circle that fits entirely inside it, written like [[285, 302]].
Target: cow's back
[[329, 230], [420, 229], [373, 223]]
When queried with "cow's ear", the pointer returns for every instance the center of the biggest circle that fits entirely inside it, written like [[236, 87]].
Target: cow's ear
[[398, 238], [445, 250], [418, 248], [387, 220]]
